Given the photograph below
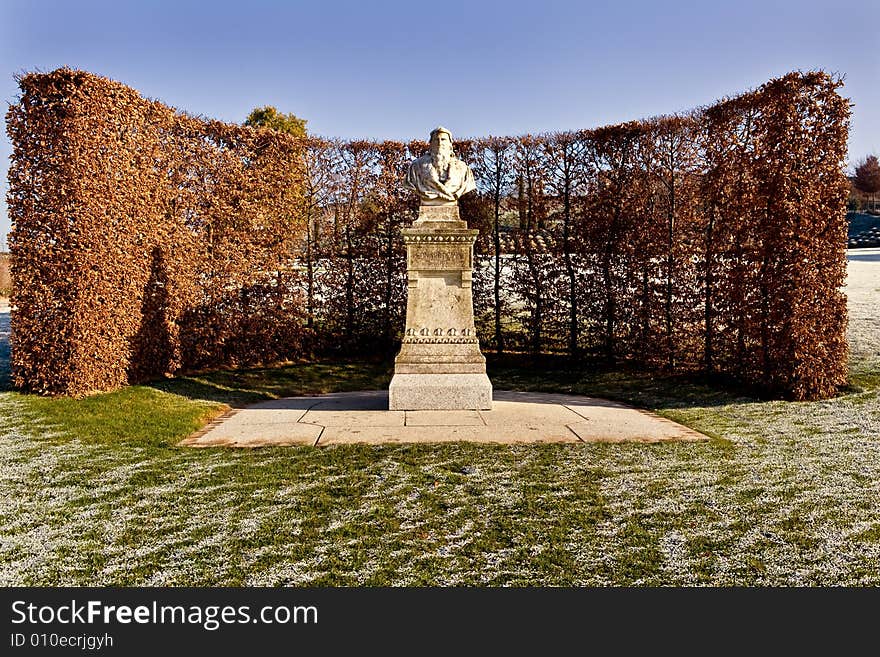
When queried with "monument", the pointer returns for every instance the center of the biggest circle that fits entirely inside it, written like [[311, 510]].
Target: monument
[[439, 366]]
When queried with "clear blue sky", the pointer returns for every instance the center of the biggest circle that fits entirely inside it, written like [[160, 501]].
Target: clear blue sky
[[397, 69]]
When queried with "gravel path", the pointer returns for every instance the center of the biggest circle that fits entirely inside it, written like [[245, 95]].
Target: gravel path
[[863, 294], [4, 344]]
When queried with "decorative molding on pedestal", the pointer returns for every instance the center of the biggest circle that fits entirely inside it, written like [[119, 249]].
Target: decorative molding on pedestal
[[440, 366], [414, 237]]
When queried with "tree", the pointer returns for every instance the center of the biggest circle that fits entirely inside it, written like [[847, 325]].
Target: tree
[[492, 167], [867, 178], [269, 117], [567, 176]]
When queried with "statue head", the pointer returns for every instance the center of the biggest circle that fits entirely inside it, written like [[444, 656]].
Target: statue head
[[441, 142]]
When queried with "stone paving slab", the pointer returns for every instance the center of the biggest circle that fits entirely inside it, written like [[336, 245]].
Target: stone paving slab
[[272, 415], [445, 434], [359, 418], [362, 417], [238, 431], [444, 418], [363, 400], [528, 415]]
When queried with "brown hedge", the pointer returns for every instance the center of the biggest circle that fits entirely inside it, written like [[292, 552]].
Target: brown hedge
[[147, 241], [712, 241], [144, 240]]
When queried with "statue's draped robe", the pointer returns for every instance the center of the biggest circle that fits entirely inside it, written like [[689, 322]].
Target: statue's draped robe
[[423, 177]]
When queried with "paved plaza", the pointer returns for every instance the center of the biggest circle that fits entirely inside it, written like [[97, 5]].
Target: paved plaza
[[363, 417]]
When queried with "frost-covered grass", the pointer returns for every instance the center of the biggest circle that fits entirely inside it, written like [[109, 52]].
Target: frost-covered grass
[[787, 493]]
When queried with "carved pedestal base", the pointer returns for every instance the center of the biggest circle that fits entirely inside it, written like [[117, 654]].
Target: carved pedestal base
[[439, 366], [440, 392]]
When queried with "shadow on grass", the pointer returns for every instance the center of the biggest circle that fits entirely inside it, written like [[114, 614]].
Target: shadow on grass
[[242, 387], [863, 376], [514, 372], [623, 383], [517, 372]]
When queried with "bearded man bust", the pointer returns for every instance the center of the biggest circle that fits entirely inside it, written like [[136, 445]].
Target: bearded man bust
[[439, 177]]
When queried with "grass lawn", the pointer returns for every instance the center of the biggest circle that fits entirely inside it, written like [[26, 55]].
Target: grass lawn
[[95, 493]]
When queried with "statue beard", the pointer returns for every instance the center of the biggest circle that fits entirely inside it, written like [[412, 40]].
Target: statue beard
[[441, 159]]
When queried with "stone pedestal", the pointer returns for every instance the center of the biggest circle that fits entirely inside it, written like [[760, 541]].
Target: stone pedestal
[[439, 366]]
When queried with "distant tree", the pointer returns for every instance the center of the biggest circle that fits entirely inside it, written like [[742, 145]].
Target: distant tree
[[867, 178], [269, 117]]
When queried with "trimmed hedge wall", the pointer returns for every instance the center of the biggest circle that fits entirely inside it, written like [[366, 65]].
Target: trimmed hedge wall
[[146, 241]]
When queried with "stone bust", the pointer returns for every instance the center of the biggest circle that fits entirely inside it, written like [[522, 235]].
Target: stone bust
[[438, 176]]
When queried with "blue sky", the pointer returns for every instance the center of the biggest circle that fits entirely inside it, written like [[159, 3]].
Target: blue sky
[[397, 69]]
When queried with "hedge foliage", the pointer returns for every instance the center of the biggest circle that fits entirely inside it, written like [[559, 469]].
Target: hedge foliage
[[146, 241]]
